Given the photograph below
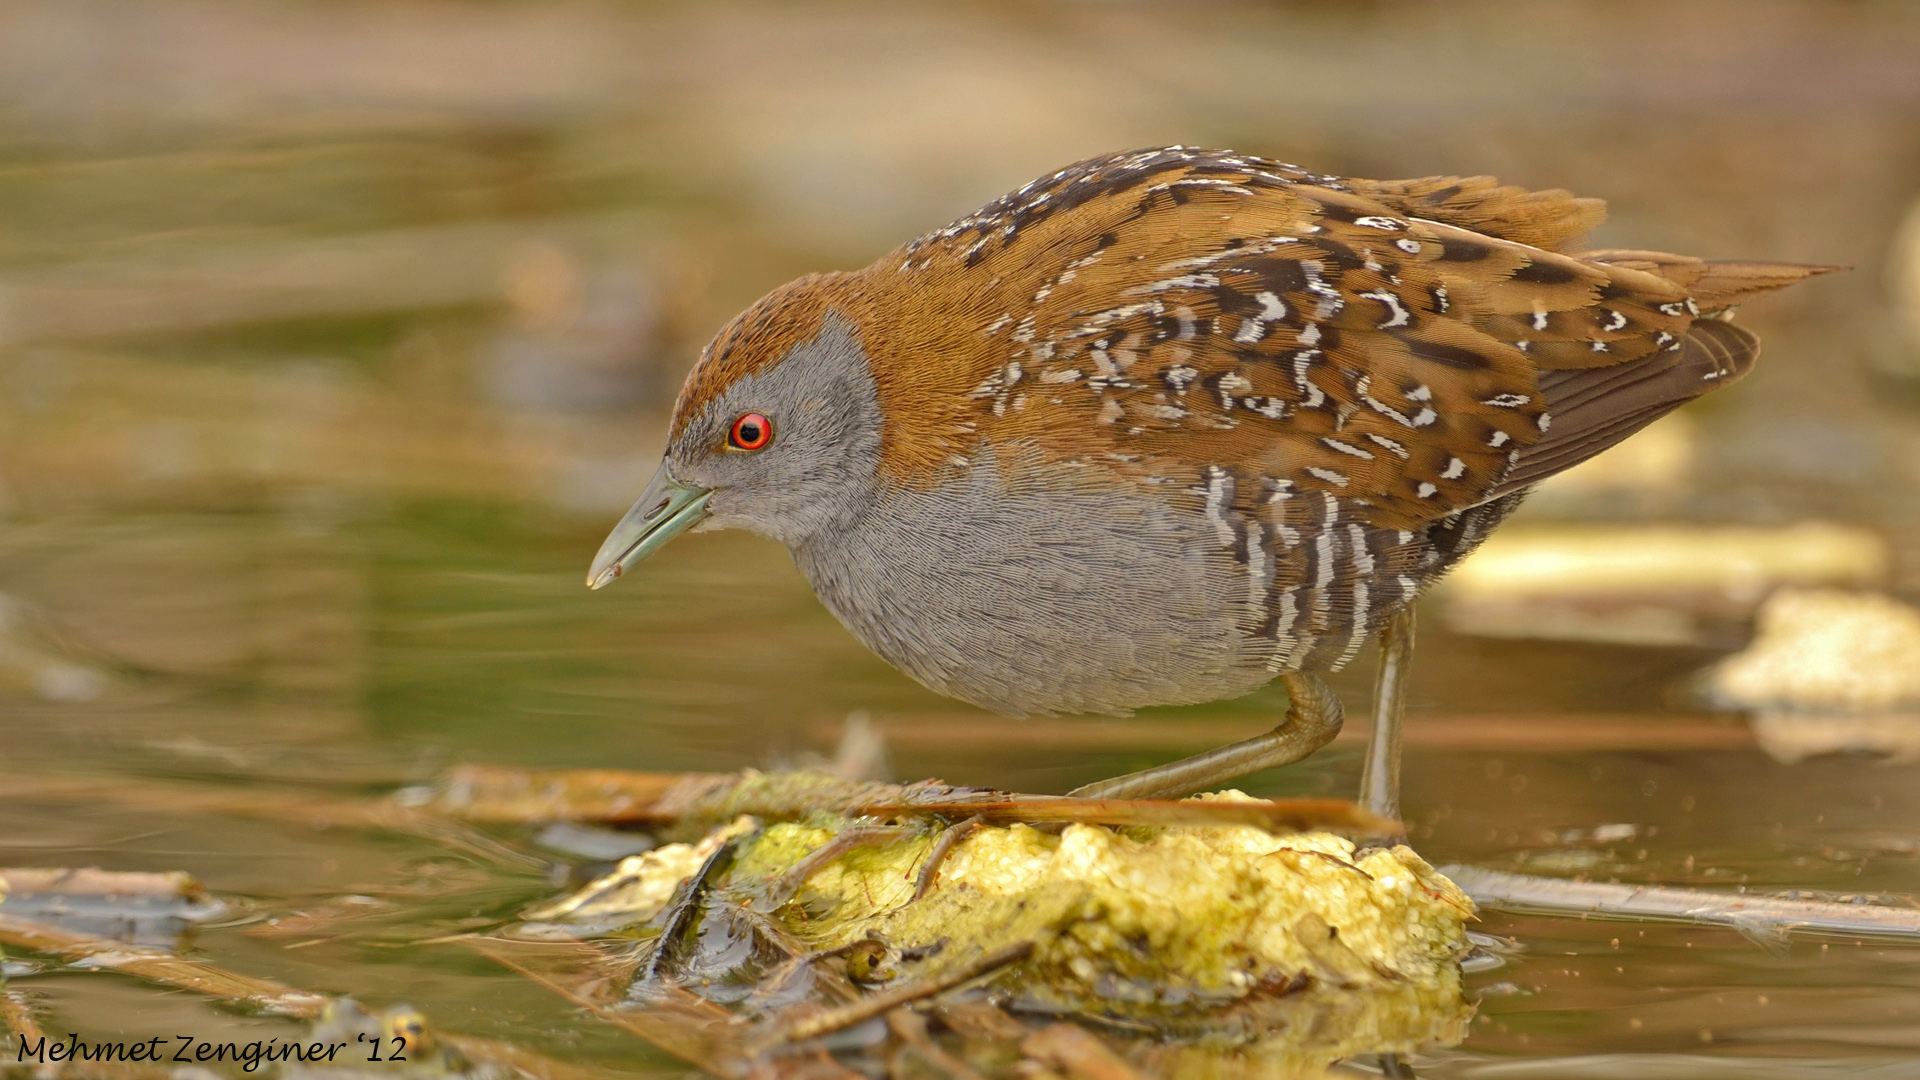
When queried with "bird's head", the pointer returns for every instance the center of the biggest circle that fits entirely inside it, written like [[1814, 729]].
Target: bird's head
[[776, 431]]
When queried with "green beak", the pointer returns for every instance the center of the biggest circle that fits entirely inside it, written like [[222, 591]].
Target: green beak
[[666, 509]]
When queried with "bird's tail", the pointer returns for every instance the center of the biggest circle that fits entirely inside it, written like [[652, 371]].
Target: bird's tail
[[1596, 406], [1714, 286]]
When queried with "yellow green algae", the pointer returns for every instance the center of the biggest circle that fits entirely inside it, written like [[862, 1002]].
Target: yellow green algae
[[1293, 949]]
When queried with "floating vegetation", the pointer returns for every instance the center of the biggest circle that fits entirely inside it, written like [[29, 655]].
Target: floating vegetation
[[1665, 584], [1830, 671], [1229, 943], [135, 907]]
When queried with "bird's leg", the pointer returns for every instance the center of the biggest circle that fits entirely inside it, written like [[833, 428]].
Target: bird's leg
[[1313, 719], [1380, 778]]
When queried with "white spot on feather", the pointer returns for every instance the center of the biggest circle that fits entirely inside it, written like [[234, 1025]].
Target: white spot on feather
[[1184, 281], [1357, 548], [1396, 449], [1219, 495], [1303, 360], [1253, 328], [1397, 312], [1256, 572], [1330, 299]]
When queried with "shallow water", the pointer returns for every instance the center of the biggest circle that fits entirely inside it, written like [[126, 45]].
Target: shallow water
[[321, 382], [475, 643]]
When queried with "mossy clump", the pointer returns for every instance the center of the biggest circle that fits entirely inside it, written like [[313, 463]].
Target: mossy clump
[[1231, 937]]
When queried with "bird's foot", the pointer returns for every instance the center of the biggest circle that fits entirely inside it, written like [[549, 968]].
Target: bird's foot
[[1313, 719]]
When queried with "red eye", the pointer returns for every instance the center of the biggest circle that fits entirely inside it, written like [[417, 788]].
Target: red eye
[[750, 432]]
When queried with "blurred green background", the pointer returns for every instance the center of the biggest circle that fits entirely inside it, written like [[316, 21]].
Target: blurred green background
[[334, 336]]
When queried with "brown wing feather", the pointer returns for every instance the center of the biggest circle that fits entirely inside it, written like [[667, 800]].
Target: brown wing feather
[[1390, 343], [1595, 408], [1305, 331], [1555, 219]]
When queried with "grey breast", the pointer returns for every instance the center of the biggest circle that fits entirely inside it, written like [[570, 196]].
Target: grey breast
[[1044, 598]]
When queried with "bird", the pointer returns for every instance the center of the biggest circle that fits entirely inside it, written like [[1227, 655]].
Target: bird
[[1167, 424]]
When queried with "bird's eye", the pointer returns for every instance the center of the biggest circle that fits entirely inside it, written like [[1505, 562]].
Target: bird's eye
[[750, 432]]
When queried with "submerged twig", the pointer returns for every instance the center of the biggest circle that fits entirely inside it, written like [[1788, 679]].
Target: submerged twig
[[501, 794], [1273, 815], [146, 908], [520, 1059], [689, 1027], [684, 908], [93, 881], [911, 1028], [949, 839], [1394, 1068], [495, 794], [1743, 912], [304, 808], [159, 966], [980, 1020], [783, 887], [1080, 1053], [16, 1016], [845, 1016]]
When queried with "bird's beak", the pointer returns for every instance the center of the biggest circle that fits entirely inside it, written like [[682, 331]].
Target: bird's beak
[[667, 509]]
